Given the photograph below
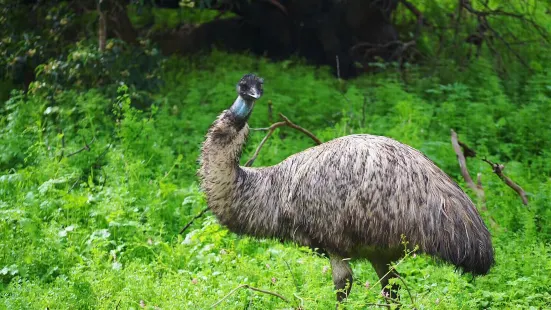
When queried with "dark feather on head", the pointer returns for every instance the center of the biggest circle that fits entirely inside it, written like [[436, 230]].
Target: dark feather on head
[[250, 87]]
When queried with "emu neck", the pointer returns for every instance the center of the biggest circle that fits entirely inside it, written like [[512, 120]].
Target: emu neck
[[242, 108], [221, 153]]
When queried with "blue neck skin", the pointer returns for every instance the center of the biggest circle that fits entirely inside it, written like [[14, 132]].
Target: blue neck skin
[[242, 108]]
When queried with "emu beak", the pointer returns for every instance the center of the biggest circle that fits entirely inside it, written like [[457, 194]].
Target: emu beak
[[253, 93]]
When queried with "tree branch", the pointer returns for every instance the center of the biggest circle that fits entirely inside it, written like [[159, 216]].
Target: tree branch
[[483, 19], [498, 12], [477, 188], [413, 9], [304, 131], [250, 288], [86, 147], [272, 128], [193, 220], [467, 151], [498, 170]]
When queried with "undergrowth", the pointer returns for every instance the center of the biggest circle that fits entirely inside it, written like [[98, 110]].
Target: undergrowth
[[91, 207], [97, 177]]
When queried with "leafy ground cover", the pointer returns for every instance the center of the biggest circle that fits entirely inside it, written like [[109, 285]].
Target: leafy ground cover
[[99, 228], [97, 177]]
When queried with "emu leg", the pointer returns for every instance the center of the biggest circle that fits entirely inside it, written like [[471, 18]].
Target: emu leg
[[382, 269], [342, 276]]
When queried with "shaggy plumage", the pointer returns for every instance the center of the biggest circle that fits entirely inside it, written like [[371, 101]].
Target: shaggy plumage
[[354, 197]]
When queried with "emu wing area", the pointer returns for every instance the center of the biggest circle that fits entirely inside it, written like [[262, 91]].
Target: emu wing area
[[364, 190]]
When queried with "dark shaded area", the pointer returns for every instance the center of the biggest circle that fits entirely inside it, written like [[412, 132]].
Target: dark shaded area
[[345, 35], [320, 31]]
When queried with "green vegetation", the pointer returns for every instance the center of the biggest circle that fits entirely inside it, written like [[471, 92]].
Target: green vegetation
[[97, 177]]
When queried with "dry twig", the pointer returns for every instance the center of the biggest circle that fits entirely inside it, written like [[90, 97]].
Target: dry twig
[[467, 151], [499, 12], [193, 220], [86, 147], [465, 172], [479, 190], [483, 20], [498, 170], [413, 9], [251, 288], [297, 127], [272, 128]]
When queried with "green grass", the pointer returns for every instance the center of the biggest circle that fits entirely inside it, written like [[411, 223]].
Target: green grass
[[99, 229]]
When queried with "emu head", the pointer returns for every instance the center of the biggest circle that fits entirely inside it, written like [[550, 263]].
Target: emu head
[[250, 87]]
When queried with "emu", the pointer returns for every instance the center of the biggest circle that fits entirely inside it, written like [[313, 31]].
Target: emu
[[352, 197]]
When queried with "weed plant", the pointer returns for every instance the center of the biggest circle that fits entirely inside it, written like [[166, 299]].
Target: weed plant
[[94, 188]]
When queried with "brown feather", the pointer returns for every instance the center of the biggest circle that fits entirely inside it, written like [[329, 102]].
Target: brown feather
[[348, 194]]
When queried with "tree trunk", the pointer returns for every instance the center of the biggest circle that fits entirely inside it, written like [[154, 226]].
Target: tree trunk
[[102, 31]]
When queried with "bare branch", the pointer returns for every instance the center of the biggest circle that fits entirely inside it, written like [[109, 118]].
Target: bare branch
[[251, 288], [413, 9], [483, 19], [479, 190], [297, 127], [467, 151], [193, 220], [498, 170], [272, 128], [508, 45], [464, 171], [392, 300], [498, 12], [86, 147]]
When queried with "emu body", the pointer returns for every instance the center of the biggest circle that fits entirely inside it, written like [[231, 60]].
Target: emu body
[[353, 197]]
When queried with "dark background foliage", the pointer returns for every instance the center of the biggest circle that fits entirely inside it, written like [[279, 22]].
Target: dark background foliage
[[104, 105]]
